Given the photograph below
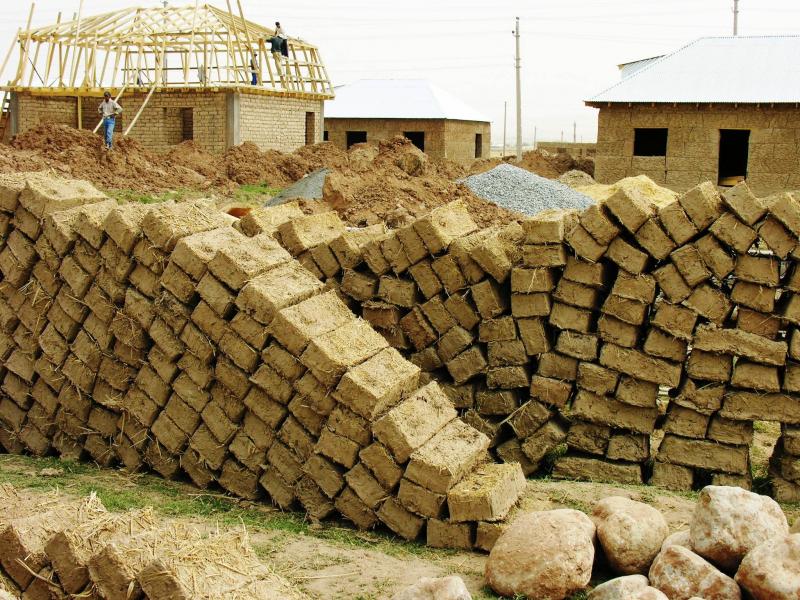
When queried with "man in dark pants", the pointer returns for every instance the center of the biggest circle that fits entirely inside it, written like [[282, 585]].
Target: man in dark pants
[[109, 109]]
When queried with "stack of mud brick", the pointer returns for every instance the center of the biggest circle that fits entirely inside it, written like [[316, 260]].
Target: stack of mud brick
[[163, 337], [595, 329]]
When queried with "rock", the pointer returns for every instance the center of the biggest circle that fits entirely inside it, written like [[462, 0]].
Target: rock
[[630, 587], [796, 527], [771, 570], [679, 538], [680, 573], [630, 532], [544, 555], [440, 588], [729, 521]]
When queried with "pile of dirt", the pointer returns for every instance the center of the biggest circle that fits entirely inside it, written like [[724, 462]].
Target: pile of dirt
[[540, 162]]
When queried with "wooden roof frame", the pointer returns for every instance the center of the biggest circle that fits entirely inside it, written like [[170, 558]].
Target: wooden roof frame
[[197, 47]]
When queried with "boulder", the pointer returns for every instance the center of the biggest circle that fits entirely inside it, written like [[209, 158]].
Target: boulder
[[544, 555], [771, 570], [680, 574], [728, 522], [630, 587], [630, 532], [439, 588], [796, 527], [679, 538]]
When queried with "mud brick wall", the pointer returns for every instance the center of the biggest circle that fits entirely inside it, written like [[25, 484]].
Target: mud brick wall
[[276, 123], [28, 111], [693, 144], [594, 330], [454, 140], [161, 337]]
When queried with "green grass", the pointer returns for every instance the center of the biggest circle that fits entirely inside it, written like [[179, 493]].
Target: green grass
[[255, 193]]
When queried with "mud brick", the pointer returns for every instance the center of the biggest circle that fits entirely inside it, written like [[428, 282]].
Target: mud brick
[[283, 362], [147, 255], [401, 521], [710, 303], [381, 315], [597, 379], [397, 291], [139, 307], [359, 286], [46, 278], [182, 415], [543, 441], [791, 379], [758, 323], [672, 283], [558, 366], [568, 317], [169, 434], [690, 265], [702, 204], [49, 372], [87, 350], [485, 424], [13, 271], [355, 510], [528, 281], [663, 345], [421, 501], [216, 295], [703, 398], [544, 255], [425, 278], [757, 269], [365, 486], [320, 399], [530, 305], [794, 343], [22, 249], [494, 330], [72, 306], [626, 256], [486, 494], [443, 225], [438, 316], [578, 345], [193, 253], [631, 448], [238, 480], [337, 448], [242, 354], [445, 534], [414, 421], [732, 232], [199, 343], [373, 254], [595, 221], [589, 437], [508, 378], [305, 414], [465, 249], [8, 317], [325, 260], [740, 343], [21, 364], [267, 410], [593, 469], [222, 428], [671, 477], [327, 475], [686, 422], [507, 353], [467, 365], [46, 400], [164, 338], [295, 326], [641, 288], [236, 264], [295, 437], [462, 311], [714, 256], [528, 418], [448, 272], [281, 493], [489, 299], [232, 378], [786, 209], [377, 458], [17, 389], [547, 227], [349, 246], [11, 415], [744, 203], [64, 323], [263, 297], [462, 396], [675, 320], [590, 274], [259, 432], [576, 294], [776, 237], [604, 411], [178, 283], [145, 281], [77, 279], [344, 422], [704, 454], [709, 366], [637, 364], [496, 402], [625, 310], [652, 238], [412, 244], [494, 254], [731, 432], [393, 252], [511, 452], [81, 375], [151, 384], [584, 245], [630, 207], [790, 308]]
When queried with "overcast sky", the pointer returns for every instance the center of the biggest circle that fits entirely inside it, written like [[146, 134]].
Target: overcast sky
[[570, 48]]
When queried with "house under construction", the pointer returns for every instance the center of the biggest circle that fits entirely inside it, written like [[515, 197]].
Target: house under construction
[[181, 73]]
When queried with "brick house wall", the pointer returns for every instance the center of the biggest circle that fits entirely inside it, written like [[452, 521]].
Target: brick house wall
[[219, 119], [693, 144], [454, 140]]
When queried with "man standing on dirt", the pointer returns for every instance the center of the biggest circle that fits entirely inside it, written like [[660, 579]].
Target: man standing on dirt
[[109, 109]]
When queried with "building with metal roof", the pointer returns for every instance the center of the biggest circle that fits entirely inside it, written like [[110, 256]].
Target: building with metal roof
[[724, 109], [180, 72], [436, 121]]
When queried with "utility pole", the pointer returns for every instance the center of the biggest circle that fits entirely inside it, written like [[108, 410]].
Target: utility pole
[[505, 114], [735, 17], [574, 132], [534, 137], [562, 136], [519, 98]]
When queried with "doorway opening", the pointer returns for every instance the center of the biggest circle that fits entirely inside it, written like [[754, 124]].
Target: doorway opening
[[478, 145], [417, 138], [311, 133], [355, 137], [734, 145], [187, 124]]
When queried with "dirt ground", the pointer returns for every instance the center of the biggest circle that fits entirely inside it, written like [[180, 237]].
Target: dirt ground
[[332, 560]]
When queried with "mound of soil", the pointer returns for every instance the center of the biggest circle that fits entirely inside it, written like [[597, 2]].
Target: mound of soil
[[540, 162]]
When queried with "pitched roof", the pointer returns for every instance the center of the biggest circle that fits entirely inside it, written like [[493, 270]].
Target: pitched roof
[[398, 99], [758, 69]]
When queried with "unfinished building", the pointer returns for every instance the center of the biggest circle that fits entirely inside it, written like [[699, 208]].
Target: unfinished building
[[434, 120], [686, 117], [181, 73]]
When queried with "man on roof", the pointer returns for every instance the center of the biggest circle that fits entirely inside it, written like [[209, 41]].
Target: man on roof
[[109, 109]]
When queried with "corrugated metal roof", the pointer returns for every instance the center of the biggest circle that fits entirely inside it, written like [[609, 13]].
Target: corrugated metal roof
[[397, 99], [761, 69]]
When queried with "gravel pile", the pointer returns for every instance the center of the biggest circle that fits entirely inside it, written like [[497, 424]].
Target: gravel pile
[[522, 191]]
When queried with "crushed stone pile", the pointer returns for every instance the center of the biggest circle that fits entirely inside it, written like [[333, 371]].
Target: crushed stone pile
[[543, 163], [521, 191]]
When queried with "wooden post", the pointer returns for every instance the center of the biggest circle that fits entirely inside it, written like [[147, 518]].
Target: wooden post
[[10, 50], [139, 112], [24, 49], [51, 51], [75, 54], [191, 46]]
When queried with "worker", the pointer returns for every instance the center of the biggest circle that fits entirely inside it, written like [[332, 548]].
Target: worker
[[254, 69], [279, 31], [109, 109]]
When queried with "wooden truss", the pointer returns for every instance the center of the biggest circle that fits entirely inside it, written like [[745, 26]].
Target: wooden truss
[[200, 46]]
